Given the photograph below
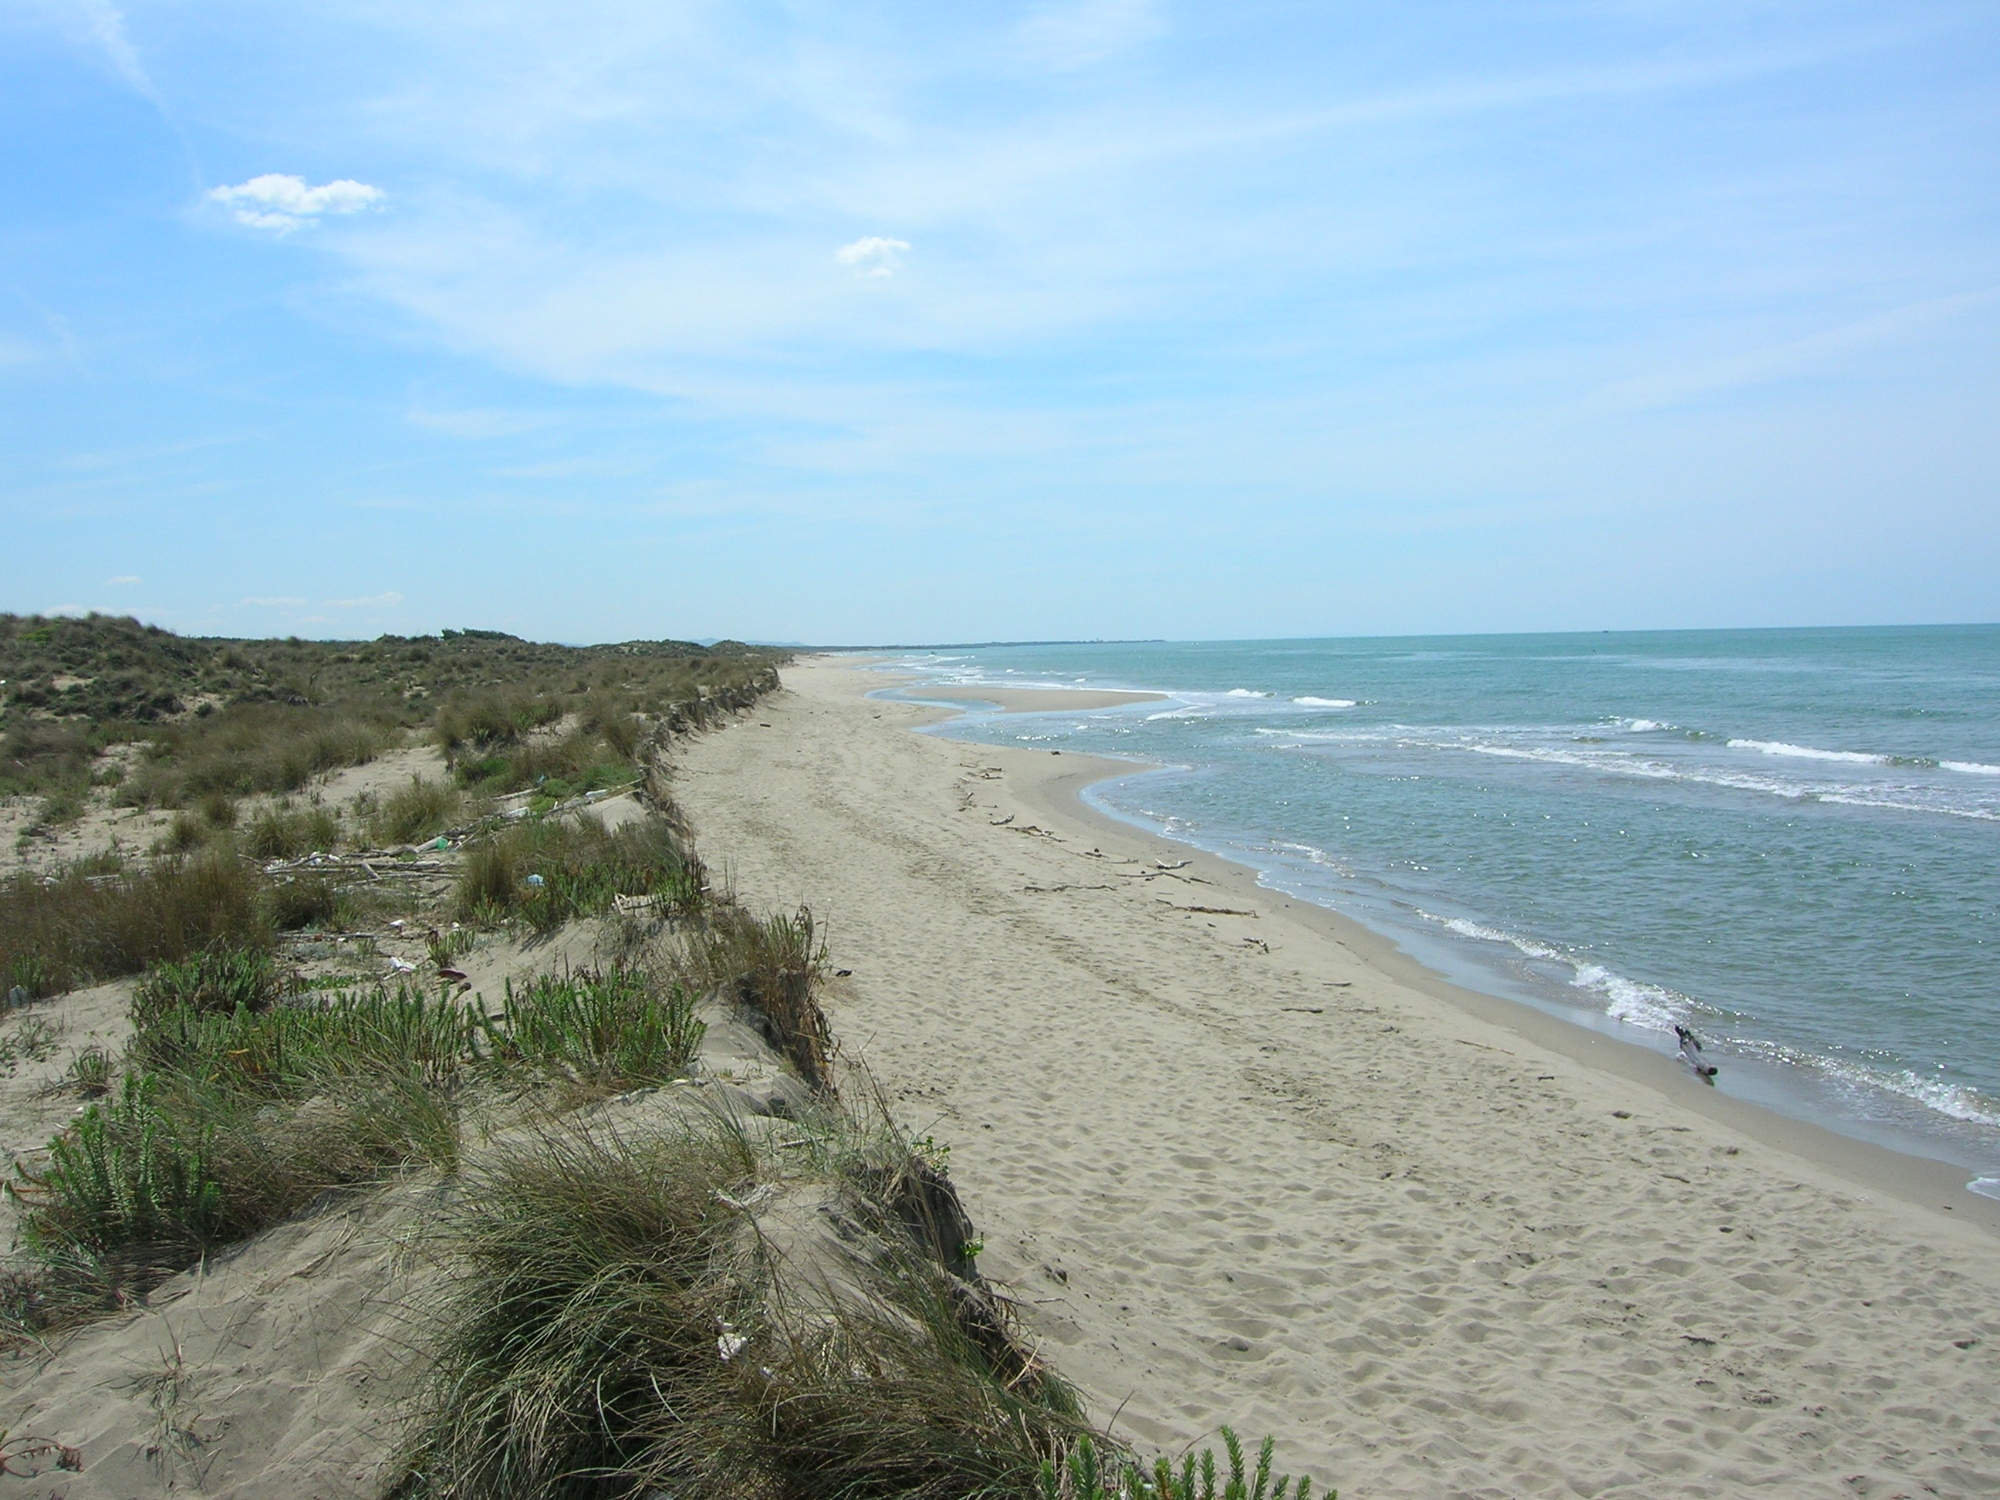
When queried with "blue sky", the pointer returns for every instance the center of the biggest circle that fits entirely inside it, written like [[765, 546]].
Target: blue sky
[[867, 322]]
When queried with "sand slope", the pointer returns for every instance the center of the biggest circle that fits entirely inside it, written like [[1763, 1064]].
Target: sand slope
[[1286, 1190]]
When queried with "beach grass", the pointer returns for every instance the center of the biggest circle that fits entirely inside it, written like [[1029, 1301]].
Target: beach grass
[[416, 810], [774, 966], [99, 920], [554, 870], [601, 1030]]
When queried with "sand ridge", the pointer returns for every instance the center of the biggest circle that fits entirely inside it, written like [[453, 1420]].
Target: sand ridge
[[1237, 1170]]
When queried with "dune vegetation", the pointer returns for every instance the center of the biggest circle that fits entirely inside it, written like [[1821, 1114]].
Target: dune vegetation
[[674, 1243]]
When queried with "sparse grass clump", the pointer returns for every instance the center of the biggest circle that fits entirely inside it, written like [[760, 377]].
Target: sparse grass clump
[[31, 1039], [774, 967], [415, 811], [287, 833], [553, 871]]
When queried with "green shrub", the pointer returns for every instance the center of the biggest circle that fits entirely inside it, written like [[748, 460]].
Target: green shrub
[[219, 979], [126, 1177], [1084, 1477], [605, 1029], [291, 1050], [255, 747], [234, 1119], [62, 807]]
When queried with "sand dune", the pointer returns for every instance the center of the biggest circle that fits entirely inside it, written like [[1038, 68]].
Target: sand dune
[[1251, 1168]]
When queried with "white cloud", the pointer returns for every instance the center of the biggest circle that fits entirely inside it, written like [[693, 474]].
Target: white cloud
[[872, 255], [123, 578], [373, 601], [284, 203], [273, 603]]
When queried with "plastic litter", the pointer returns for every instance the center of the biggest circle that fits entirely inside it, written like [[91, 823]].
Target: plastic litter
[[18, 996], [536, 881]]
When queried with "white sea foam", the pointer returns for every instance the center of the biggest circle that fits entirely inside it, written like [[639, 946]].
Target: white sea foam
[[1953, 1101], [1324, 702], [1645, 726], [1986, 1187], [1651, 1007], [1807, 752], [1969, 768], [1245, 693]]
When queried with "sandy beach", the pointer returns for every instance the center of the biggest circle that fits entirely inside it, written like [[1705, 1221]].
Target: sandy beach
[[1240, 1161]]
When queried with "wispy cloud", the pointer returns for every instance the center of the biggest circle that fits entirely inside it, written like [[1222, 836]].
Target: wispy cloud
[[283, 203], [122, 579], [372, 601], [1082, 32], [475, 423], [874, 255], [107, 29]]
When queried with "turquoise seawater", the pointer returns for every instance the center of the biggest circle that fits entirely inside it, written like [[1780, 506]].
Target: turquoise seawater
[[1789, 840]]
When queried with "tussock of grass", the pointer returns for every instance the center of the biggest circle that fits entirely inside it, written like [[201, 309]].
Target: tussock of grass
[[591, 1292], [416, 811], [83, 926], [604, 1030], [614, 1331], [774, 966], [555, 870], [287, 833], [300, 901]]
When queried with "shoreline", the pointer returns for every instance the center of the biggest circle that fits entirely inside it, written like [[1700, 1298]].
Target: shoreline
[[1237, 1160], [1927, 1182], [1919, 1181]]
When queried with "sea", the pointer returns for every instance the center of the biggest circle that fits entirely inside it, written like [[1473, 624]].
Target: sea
[[1786, 840]]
